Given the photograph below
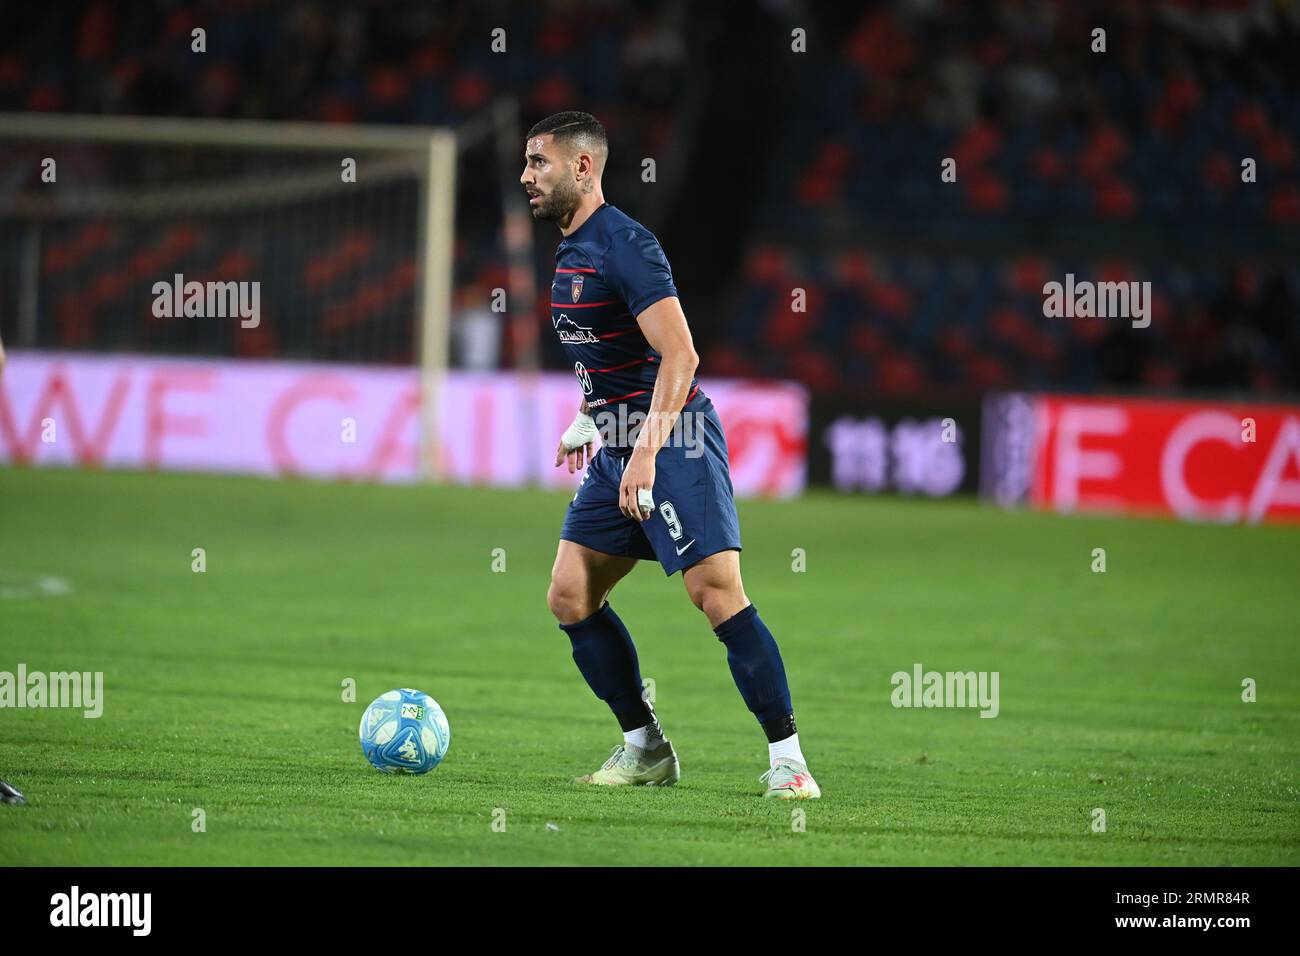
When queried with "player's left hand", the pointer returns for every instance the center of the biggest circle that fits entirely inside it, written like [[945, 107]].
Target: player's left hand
[[638, 475]]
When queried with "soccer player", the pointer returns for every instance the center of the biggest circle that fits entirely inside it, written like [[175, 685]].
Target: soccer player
[[652, 495]]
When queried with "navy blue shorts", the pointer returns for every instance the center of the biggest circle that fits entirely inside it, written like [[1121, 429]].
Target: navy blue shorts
[[695, 511]]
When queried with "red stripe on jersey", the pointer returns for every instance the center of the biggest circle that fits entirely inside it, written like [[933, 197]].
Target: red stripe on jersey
[[615, 368], [575, 270], [619, 398], [614, 335], [583, 305]]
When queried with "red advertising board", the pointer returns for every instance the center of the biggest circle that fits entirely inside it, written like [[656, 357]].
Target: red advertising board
[[344, 421], [1196, 460]]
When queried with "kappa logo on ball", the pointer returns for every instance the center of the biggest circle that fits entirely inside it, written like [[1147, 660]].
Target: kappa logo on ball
[[409, 750]]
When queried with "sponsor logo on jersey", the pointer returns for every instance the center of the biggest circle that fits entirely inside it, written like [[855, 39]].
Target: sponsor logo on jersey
[[584, 378], [571, 332]]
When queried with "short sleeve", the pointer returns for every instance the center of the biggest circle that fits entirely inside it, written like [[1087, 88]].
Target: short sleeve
[[637, 269]]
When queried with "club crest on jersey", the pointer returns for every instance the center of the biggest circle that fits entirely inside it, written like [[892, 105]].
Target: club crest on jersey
[[571, 332], [576, 287]]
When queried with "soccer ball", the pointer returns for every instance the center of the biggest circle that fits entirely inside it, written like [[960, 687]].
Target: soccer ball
[[404, 731]]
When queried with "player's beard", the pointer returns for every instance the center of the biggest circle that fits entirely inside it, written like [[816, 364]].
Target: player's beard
[[560, 205]]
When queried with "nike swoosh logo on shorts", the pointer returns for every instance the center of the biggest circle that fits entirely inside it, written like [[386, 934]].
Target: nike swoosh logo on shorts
[[685, 546]]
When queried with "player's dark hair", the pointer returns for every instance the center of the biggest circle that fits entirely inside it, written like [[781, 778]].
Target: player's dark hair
[[573, 128]]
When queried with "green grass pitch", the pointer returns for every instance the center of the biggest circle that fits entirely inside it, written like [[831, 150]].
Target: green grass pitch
[[223, 690]]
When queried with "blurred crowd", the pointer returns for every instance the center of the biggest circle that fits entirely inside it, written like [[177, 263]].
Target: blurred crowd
[[1122, 163]]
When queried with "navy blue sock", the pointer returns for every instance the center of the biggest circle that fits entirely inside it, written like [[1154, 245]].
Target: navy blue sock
[[604, 652], [756, 667]]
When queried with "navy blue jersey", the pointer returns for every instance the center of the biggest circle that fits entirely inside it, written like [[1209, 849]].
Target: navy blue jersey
[[606, 273]]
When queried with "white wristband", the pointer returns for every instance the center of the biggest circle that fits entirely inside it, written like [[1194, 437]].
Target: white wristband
[[581, 432]]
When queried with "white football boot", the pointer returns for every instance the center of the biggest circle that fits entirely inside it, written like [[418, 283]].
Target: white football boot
[[630, 766], [790, 780]]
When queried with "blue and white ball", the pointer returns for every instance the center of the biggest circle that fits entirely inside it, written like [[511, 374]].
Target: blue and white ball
[[405, 731]]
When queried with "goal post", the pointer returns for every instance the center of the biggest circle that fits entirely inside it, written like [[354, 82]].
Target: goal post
[[362, 262], [433, 321]]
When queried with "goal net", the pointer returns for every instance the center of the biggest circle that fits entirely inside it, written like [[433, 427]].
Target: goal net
[[116, 232]]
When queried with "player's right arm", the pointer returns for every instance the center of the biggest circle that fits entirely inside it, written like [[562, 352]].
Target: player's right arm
[[575, 443]]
